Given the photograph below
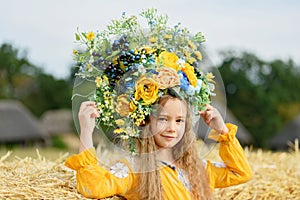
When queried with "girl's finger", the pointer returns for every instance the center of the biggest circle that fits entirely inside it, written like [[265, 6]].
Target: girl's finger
[[88, 111], [202, 112], [209, 115], [209, 107], [86, 104]]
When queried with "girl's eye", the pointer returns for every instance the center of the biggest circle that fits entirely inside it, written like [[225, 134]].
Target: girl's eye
[[179, 120], [162, 119]]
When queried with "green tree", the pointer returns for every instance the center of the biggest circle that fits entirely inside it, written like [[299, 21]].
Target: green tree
[[21, 80], [14, 67], [50, 93], [263, 95]]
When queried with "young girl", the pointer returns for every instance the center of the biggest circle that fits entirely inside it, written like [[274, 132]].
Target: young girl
[[148, 86], [182, 175]]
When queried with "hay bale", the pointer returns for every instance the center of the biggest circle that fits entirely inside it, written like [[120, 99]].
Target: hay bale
[[276, 176]]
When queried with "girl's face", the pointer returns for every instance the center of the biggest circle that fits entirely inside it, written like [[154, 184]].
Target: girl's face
[[169, 125]]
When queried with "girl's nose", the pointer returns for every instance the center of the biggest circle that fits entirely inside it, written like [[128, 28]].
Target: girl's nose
[[171, 126]]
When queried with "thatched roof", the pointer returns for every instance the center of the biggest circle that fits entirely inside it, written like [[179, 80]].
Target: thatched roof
[[288, 133], [57, 121], [17, 124]]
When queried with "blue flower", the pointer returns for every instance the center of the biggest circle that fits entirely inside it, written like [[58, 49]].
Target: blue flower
[[152, 71], [129, 84], [184, 82]]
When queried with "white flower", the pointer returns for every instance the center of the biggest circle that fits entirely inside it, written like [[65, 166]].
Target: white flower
[[120, 170], [91, 60], [211, 87], [124, 137], [142, 69], [191, 90], [91, 52], [199, 85], [219, 164], [181, 62]]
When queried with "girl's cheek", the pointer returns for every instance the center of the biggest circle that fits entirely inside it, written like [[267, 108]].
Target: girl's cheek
[[182, 127], [160, 126]]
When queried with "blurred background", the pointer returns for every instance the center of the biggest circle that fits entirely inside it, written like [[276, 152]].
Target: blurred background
[[255, 45]]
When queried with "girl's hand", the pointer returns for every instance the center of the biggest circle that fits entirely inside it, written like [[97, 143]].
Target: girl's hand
[[213, 119], [87, 115]]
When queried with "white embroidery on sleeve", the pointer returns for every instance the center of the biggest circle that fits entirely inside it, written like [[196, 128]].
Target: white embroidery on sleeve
[[219, 164], [204, 162], [120, 170]]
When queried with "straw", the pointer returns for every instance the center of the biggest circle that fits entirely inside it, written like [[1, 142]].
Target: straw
[[275, 176]]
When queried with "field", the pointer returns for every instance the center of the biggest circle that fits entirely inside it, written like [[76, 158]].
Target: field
[[40, 174]]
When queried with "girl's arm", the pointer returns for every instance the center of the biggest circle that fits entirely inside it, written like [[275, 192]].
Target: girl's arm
[[92, 180], [86, 115], [235, 169]]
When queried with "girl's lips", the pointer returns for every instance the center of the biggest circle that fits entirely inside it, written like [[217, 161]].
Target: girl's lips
[[168, 137]]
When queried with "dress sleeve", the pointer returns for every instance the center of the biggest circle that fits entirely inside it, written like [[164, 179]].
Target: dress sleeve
[[94, 181], [235, 169]]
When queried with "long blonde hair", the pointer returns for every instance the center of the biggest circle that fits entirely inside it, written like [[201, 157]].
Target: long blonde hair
[[185, 154]]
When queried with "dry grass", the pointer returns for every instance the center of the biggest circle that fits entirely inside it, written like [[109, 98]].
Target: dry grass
[[276, 176]]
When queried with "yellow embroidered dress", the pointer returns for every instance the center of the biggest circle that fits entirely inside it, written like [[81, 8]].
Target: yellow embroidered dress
[[97, 182]]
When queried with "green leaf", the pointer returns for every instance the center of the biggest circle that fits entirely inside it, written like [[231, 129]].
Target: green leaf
[[77, 37]]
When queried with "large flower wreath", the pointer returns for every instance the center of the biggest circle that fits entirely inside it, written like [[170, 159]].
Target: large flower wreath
[[133, 67]]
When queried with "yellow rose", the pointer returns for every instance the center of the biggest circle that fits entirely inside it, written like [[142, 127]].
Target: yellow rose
[[189, 71], [166, 78], [146, 89], [123, 106], [168, 59]]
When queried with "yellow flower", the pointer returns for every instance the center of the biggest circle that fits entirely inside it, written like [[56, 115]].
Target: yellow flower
[[191, 60], [123, 106], [89, 67], [168, 36], [186, 53], [119, 130], [191, 45], [120, 122], [132, 106], [168, 59], [106, 80], [210, 77], [90, 35], [166, 78], [152, 39], [139, 122], [189, 71], [146, 89], [198, 55], [98, 81], [75, 52], [147, 49]]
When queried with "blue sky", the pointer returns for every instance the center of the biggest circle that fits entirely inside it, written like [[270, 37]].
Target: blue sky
[[46, 29]]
